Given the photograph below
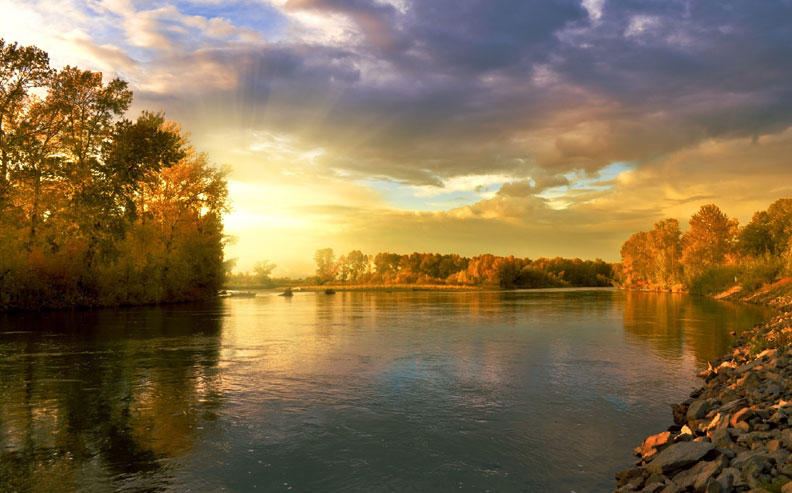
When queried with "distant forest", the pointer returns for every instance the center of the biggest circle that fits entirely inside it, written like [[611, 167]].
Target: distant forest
[[357, 268], [96, 208], [714, 254]]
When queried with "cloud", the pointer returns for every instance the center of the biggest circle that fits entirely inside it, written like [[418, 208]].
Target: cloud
[[528, 100]]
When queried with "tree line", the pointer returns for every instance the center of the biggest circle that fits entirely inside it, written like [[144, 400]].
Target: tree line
[[714, 253], [97, 208], [437, 269]]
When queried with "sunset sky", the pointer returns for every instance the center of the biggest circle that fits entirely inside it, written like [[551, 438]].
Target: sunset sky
[[533, 128]]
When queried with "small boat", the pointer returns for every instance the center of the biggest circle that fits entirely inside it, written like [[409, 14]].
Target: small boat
[[288, 293], [329, 291], [241, 294]]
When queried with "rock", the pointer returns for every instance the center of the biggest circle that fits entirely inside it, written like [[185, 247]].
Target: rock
[[713, 486], [708, 471], [786, 438], [680, 413], [742, 415], [678, 456], [698, 410], [787, 488], [721, 438], [653, 487], [623, 476], [773, 445], [753, 468], [654, 442], [726, 478]]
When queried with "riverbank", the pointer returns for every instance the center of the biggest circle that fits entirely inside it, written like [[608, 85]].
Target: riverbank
[[395, 287], [735, 433]]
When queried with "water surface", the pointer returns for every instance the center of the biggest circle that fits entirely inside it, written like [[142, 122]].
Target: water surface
[[500, 391]]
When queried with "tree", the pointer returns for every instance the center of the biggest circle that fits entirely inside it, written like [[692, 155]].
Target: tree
[[636, 259], [263, 270], [709, 241], [326, 267], [756, 237], [665, 244], [21, 68], [356, 262], [779, 222]]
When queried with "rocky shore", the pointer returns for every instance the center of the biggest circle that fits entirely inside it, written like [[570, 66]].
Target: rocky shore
[[733, 434]]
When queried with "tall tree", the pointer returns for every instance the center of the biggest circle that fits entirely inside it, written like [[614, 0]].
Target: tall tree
[[756, 237], [709, 241], [326, 267], [21, 68], [779, 221], [665, 246]]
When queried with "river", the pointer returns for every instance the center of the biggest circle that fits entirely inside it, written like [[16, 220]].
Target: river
[[504, 391]]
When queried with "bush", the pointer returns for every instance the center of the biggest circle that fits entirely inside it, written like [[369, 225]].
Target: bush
[[715, 279]]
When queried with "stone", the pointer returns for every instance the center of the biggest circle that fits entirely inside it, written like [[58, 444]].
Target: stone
[[698, 409], [786, 438], [721, 438], [744, 426], [655, 441], [773, 445], [623, 476], [653, 487], [787, 488], [713, 486], [742, 415], [679, 412], [679, 455], [753, 468], [709, 470]]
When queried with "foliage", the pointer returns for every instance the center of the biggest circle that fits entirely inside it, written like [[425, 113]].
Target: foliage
[[709, 241], [95, 208], [387, 268], [715, 253]]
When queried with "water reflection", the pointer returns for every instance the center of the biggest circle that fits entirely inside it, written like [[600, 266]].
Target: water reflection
[[104, 397], [676, 324], [526, 391]]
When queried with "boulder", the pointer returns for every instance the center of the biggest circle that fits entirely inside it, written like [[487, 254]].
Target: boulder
[[721, 438], [679, 456], [698, 410], [654, 442], [743, 414]]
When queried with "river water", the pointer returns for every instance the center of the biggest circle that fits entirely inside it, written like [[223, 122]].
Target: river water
[[406, 391]]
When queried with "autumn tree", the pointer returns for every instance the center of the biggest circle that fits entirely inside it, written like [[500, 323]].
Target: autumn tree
[[756, 238], [326, 267], [779, 223], [665, 249], [709, 241], [96, 208], [21, 68], [356, 262]]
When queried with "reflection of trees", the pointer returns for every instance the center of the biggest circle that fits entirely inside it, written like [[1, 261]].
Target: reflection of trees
[[109, 394], [674, 322]]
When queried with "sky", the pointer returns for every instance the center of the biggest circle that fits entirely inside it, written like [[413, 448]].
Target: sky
[[525, 127]]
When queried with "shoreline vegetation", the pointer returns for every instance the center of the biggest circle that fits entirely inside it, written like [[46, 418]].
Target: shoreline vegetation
[[97, 209], [432, 271], [713, 255]]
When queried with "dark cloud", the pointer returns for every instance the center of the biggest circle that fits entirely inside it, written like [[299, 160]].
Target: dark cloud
[[453, 87]]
